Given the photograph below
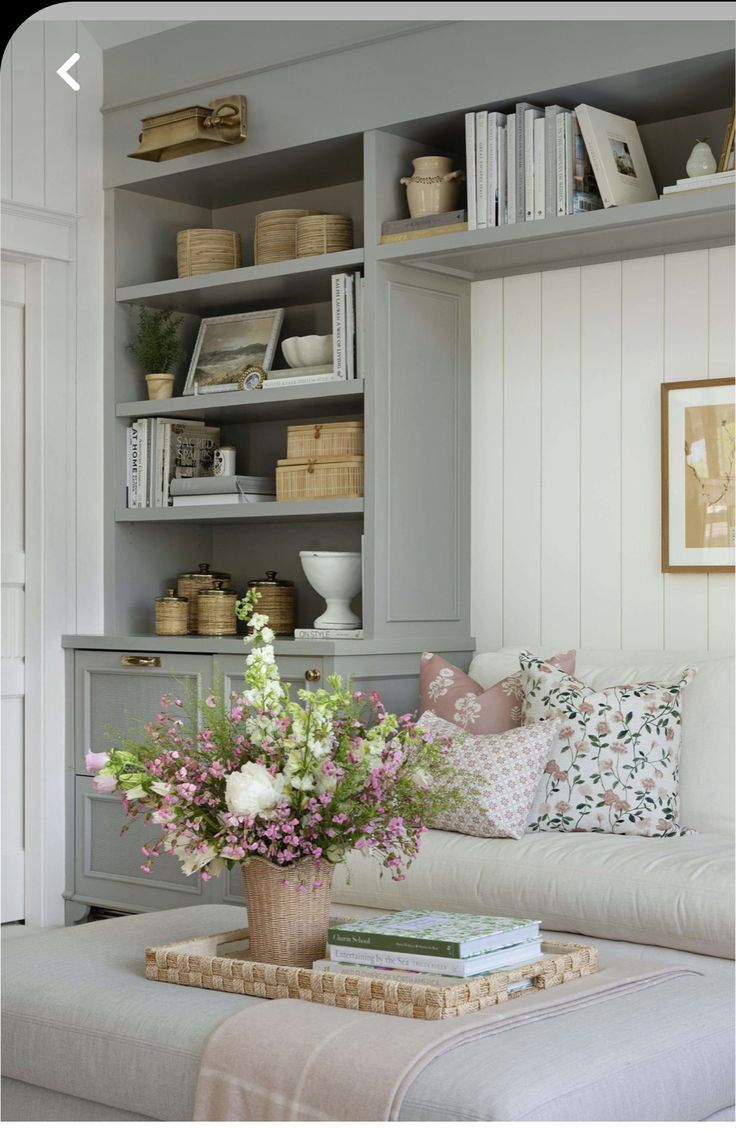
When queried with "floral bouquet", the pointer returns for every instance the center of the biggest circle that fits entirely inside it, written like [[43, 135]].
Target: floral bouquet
[[289, 786]]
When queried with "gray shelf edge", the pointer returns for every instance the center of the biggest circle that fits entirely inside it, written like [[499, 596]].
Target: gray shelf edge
[[210, 645], [244, 512], [256, 273], [440, 251], [207, 401]]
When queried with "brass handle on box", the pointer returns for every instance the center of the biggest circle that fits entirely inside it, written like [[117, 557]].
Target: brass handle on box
[[312, 675], [140, 661]]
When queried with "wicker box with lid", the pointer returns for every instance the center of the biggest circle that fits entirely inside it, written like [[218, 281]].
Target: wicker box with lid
[[340, 477], [309, 441]]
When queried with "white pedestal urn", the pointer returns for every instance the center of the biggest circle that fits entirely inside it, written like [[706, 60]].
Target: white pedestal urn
[[336, 576]]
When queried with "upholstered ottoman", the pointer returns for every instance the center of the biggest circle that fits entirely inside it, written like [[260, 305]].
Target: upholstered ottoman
[[86, 1037]]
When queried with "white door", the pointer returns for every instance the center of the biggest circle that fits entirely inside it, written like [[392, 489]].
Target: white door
[[12, 579]]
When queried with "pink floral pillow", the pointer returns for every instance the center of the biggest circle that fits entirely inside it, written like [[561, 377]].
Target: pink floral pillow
[[509, 768], [452, 695]]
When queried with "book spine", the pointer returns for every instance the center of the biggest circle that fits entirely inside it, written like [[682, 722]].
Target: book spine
[[359, 325], [428, 963], [315, 378], [427, 233], [419, 223], [158, 472], [142, 463], [481, 168], [530, 117], [167, 462], [501, 131], [711, 180], [560, 161], [492, 147], [470, 168], [599, 173], [511, 168], [519, 124], [328, 634], [335, 318], [550, 161], [401, 944], [569, 162], [539, 169], [350, 327], [131, 464]]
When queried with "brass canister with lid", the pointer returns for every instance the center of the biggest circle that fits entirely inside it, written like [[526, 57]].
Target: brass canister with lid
[[276, 602], [172, 615], [190, 585], [216, 611]]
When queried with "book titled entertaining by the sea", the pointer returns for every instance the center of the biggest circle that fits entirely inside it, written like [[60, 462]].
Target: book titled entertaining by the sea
[[446, 934]]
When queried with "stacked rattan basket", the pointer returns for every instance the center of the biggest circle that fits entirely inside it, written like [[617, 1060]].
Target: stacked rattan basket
[[200, 251], [205, 963], [294, 233], [323, 461], [319, 235]]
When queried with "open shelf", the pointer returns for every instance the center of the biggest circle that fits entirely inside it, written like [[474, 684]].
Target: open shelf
[[701, 220], [287, 282], [309, 510], [283, 403]]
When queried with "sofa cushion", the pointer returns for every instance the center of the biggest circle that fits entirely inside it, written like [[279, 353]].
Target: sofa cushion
[[674, 892], [707, 761], [614, 767], [508, 769], [452, 695]]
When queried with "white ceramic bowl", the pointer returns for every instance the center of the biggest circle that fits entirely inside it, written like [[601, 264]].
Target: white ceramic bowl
[[313, 349]]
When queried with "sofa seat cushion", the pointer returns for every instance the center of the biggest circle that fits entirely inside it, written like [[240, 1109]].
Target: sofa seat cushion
[[80, 1019], [675, 893]]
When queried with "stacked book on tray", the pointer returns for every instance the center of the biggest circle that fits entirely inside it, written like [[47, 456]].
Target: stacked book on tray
[[532, 164], [347, 339], [700, 184], [220, 490], [160, 449], [444, 945]]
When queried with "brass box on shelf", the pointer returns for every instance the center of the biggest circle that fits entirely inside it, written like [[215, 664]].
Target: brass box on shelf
[[192, 129]]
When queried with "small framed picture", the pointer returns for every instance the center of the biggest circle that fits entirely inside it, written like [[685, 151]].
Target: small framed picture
[[229, 345], [698, 484]]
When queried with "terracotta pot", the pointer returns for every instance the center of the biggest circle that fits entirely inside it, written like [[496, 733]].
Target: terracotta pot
[[288, 926], [433, 187], [160, 386]]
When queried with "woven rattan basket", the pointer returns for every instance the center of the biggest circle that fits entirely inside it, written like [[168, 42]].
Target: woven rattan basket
[[202, 250], [220, 962], [190, 585], [275, 237], [288, 925], [318, 235], [276, 602], [172, 615], [321, 478], [216, 611], [310, 441]]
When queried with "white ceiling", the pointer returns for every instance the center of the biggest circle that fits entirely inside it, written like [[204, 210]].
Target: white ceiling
[[111, 33]]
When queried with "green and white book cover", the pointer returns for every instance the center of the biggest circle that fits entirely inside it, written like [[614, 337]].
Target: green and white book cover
[[448, 934]]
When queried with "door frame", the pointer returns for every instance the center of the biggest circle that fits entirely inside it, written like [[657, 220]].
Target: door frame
[[45, 243]]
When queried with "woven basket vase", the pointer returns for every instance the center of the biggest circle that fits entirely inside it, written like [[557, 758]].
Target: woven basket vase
[[287, 926]]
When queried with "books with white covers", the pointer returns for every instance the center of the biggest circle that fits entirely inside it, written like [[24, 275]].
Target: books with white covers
[[563, 154], [530, 116], [617, 156], [338, 326], [539, 168], [727, 177], [297, 371], [313, 379], [349, 328], [449, 934], [470, 170], [495, 123], [585, 195], [501, 133], [505, 958], [233, 499], [391, 974], [359, 326], [521, 147], [328, 634], [673, 191], [224, 485], [481, 168], [511, 168], [550, 158]]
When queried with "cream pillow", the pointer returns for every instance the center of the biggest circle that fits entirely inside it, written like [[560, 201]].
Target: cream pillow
[[614, 767], [509, 768]]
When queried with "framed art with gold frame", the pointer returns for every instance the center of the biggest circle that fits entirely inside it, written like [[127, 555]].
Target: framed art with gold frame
[[698, 484]]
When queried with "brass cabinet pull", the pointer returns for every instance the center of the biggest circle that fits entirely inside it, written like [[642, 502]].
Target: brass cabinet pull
[[140, 661], [312, 675]]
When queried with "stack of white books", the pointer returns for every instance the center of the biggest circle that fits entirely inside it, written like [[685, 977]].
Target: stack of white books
[[160, 448], [347, 339], [221, 490], [700, 184]]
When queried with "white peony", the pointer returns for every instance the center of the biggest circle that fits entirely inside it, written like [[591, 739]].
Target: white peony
[[254, 792]]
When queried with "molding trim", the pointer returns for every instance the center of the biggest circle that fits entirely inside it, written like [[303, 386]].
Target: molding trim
[[38, 233]]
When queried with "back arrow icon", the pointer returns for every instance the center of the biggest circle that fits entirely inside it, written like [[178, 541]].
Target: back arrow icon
[[63, 71]]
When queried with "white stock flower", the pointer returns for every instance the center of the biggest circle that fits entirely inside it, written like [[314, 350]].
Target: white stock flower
[[268, 635], [303, 782], [160, 788], [252, 791]]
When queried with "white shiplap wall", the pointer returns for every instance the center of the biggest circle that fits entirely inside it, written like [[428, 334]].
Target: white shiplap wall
[[567, 367]]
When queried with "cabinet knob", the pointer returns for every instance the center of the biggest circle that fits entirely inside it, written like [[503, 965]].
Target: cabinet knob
[[313, 675], [140, 661]]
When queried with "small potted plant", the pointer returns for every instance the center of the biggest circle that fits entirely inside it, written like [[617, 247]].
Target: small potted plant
[[158, 349]]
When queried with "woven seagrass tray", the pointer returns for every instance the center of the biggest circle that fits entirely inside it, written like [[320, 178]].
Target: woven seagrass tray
[[219, 962]]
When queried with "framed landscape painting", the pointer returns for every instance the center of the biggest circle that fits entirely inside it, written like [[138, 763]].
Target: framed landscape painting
[[698, 485], [228, 345]]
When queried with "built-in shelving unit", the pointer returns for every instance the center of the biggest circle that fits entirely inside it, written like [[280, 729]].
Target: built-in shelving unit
[[328, 398], [311, 509]]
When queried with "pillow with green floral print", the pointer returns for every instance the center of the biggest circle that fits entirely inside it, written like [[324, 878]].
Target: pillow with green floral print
[[614, 765]]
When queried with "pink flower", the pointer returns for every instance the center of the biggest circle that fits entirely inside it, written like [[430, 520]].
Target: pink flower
[[105, 783], [562, 806], [94, 762], [602, 729], [211, 701]]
